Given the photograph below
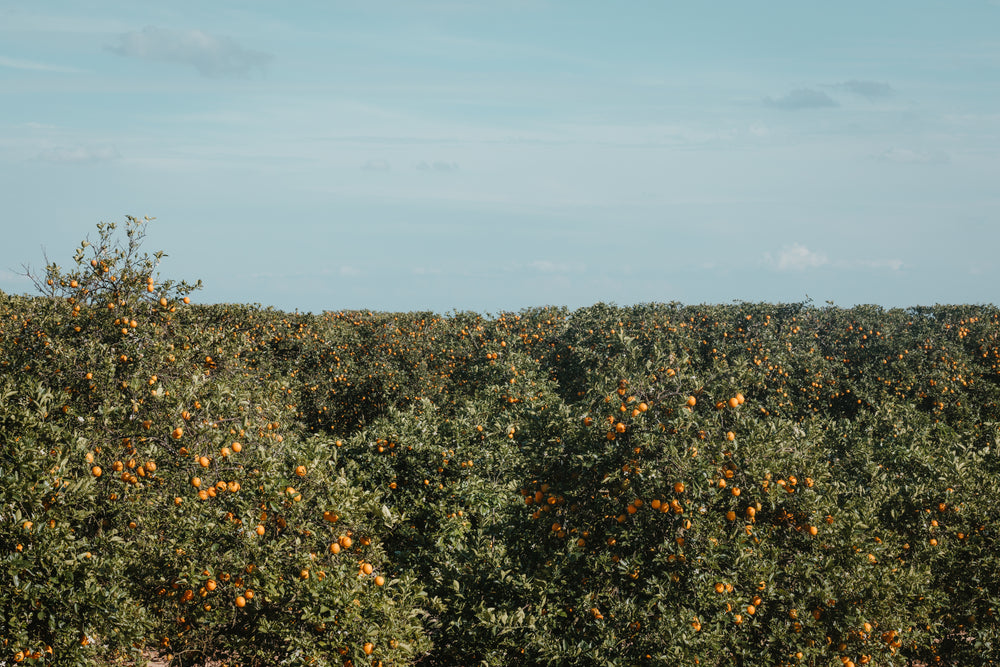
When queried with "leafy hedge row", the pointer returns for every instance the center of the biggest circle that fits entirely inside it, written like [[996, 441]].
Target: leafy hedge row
[[658, 484]]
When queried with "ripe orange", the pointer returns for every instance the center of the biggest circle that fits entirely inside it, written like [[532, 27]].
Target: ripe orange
[[177, 433], [96, 471], [368, 648], [379, 580], [241, 601], [300, 471], [237, 447], [691, 401]]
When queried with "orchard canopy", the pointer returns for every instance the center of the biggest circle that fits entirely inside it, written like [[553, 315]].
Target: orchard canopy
[[659, 484]]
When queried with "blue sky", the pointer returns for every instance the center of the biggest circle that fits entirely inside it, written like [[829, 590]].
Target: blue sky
[[476, 155]]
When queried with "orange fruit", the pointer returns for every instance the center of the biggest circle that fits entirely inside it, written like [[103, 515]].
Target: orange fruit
[[300, 471], [177, 433], [241, 601], [96, 471]]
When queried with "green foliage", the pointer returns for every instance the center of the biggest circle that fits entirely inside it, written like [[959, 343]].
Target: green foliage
[[655, 484]]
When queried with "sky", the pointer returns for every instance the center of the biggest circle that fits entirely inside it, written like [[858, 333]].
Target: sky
[[479, 155]]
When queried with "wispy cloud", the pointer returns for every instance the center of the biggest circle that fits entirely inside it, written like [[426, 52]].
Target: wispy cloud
[[907, 156], [79, 154], [213, 56], [437, 166], [548, 266], [11, 277], [30, 65], [891, 264], [869, 90], [802, 98], [376, 165], [797, 257]]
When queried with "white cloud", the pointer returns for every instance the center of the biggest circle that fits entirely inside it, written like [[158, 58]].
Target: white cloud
[[376, 165], [79, 154], [891, 264], [548, 266], [15, 63], [10, 276], [796, 257], [870, 90], [803, 98], [907, 156], [349, 271], [211, 55], [437, 166]]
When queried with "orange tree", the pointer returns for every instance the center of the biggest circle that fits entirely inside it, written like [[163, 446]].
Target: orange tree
[[223, 533]]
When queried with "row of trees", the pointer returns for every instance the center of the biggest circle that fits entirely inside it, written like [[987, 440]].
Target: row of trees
[[658, 484]]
